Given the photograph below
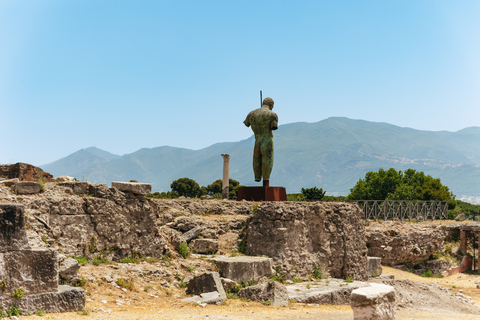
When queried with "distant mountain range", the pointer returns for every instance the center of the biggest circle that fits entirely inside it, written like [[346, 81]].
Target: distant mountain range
[[332, 154]]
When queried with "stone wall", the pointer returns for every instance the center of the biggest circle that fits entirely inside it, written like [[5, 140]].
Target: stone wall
[[302, 236], [405, 243], [90, 219]]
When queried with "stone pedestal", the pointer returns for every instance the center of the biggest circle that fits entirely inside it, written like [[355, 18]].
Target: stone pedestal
[[374, 302], [262, 194]]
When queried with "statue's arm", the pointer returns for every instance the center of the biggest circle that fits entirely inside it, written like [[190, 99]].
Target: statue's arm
[[247, 120], [274, 123]]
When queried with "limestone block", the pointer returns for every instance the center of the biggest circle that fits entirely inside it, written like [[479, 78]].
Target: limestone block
[[206, 298], [78, 187], [63, 299], [187, 236], [68, 269], [374, 302], [244, 268], [266, 290], [207, 282], [331, 291], [133, 187], [228, 284], [205, 246], [13, 235], [33, 270], [374, 266], [24, 187]]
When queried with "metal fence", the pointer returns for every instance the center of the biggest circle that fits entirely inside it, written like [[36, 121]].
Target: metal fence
[[404, 210]]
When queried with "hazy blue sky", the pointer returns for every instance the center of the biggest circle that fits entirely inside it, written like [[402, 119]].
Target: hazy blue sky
[[124, 75]]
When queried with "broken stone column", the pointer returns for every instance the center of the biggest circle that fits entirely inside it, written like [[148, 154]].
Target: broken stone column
[[374, 266], [463, 242], [374, 302], [33, 272], [226, 178]]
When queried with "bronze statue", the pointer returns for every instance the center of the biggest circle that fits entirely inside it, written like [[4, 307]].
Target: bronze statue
[[263, 120]]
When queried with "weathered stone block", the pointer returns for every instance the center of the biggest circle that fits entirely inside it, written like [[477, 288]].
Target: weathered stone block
[[374, 302], [68, 269], [25, 187], [266, 290], [205, 246], [244, 268], [331, 291], [374, 266], [12, 227], [133, 187], [206, 298], [207, 282], [78, 187], [63, 299], [33, 270]]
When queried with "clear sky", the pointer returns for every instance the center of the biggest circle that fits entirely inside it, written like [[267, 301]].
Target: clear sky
[[124, 75]]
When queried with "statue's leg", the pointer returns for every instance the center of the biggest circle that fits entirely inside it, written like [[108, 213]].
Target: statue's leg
[[257, 162], [267, 158]]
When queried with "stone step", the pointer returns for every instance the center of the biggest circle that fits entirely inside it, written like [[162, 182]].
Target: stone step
[[244, 268]]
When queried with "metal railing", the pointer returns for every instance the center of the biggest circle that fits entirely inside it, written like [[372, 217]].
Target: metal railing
[[404, 209]]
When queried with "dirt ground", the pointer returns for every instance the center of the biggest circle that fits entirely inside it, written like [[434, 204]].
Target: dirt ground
[[149, 299]]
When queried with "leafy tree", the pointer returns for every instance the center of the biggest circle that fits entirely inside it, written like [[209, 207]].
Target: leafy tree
[[215, 189], [398, 185], [313, 193], [186, 187]]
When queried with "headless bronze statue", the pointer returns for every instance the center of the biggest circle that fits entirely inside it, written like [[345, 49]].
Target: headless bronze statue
[[263, 120]]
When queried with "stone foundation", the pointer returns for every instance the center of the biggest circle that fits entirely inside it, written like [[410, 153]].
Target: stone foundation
[[301, 237]]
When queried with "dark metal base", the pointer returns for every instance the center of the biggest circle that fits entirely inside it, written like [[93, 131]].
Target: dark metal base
[[262, 194]]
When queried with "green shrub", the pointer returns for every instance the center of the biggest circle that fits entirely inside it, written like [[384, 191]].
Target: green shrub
[[3, 285], [427, 274], [313, 193], [349, 279], [81, 260], [254, 209], [40, 313], [266, 303], [128, 260], [184, 250], [98, 261], [296, 280], [14, 311], [317, 273], [127, 284], [18, 293], [80, 283]]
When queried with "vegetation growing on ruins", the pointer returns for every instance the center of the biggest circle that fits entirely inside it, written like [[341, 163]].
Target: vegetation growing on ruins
[[184, 250], [18, 293]]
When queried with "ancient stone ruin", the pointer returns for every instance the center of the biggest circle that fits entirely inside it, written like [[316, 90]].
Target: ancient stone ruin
[[301, 237], [29, 276]]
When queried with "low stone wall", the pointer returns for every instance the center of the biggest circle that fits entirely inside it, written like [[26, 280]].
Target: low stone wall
[[403, 243], [91, 219], [302, 236]]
